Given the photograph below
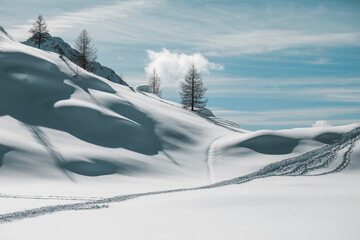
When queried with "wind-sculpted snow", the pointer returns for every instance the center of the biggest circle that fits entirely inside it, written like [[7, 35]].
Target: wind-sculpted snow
[[99, 167], [328, 138], [304, 164], [82, 121], [270, 144], [3, 151], [30, 87], [297, 166]]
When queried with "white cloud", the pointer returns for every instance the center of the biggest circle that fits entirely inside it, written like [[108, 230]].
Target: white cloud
[[172, 66], [321, 123]]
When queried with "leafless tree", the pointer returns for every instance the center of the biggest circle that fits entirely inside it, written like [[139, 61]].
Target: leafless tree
[[154, 83], [39, 31], [86, 50], [192, 90]]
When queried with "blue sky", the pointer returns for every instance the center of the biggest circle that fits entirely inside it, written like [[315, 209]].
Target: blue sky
[[266, 64]]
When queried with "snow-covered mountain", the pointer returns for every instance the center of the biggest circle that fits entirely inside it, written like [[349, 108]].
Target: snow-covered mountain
[[65, 120], [71, 140], [58, 45]]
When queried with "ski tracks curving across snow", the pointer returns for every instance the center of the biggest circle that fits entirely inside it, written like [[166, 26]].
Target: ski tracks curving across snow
[[304, 164], [214, 156]]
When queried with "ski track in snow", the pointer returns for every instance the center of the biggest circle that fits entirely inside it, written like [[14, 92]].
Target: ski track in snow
[[214, 157], [297, 166], [50, 197]]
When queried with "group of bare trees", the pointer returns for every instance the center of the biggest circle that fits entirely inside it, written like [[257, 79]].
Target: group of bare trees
[[86, 51], [192, 90]]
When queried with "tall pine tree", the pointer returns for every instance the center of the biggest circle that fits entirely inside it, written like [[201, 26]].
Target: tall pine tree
[[39, 31], [192, 90]]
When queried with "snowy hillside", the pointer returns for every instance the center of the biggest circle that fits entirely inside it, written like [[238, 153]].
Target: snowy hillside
[[84, 158], [56, 44]]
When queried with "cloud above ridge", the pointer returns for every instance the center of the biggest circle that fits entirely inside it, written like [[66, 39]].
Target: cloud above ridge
[[172, 66]]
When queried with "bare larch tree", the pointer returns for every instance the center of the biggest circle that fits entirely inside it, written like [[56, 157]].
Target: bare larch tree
[[39, 31], [87, 51], [154, 83], [192, 90]]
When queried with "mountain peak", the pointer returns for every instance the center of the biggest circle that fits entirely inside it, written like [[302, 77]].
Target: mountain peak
[[58, 45]]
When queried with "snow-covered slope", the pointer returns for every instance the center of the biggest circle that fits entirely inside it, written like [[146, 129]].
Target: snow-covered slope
[[60, 123], [71, 140], [56, 44]]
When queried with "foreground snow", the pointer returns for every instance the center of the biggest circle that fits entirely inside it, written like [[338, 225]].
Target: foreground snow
[[276, 208], [84, 158]]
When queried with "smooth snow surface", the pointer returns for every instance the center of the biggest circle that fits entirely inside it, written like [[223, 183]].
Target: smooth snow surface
[[84, 158]]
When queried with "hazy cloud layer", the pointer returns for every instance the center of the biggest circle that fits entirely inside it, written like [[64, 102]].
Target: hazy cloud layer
[[289, 117], [216, 32], [260, 41], [105, 20]]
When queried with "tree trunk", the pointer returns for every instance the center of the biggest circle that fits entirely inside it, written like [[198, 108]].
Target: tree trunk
[[192, 91], [84, 63]]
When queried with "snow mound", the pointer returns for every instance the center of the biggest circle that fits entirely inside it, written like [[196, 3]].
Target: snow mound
[[205, 112], [93, 168], [270, 144], [276, 144], [328, 137], [143, 88]]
